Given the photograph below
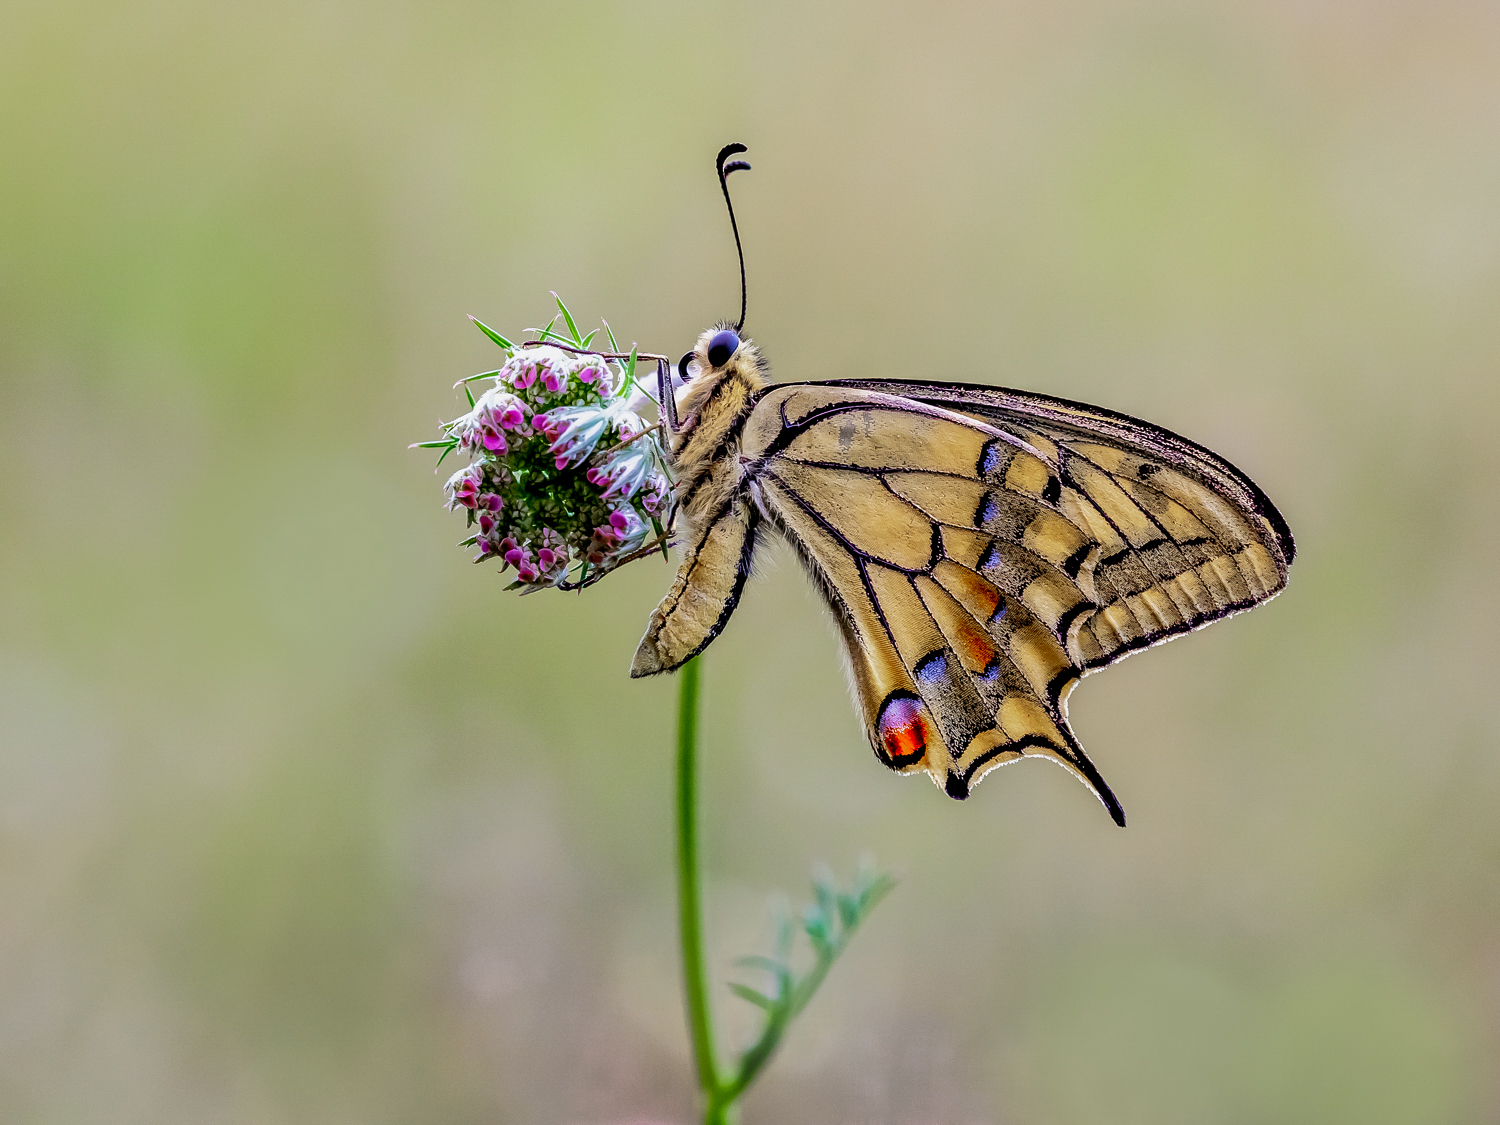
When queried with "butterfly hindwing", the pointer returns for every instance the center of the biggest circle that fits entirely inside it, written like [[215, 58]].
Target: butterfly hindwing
[[955, 585]]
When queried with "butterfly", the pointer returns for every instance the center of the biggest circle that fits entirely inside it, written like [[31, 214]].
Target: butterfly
[[981, 549]]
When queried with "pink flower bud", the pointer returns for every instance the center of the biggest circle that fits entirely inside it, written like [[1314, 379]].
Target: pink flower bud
[[466, 492]]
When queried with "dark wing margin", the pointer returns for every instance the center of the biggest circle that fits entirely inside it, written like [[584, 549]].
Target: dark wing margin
[[707, 589]]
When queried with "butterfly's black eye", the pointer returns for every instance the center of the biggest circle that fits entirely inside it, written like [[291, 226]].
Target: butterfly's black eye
[[721, 347]]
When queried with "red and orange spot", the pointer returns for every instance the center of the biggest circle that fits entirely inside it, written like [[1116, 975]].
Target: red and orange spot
[[902, 729]]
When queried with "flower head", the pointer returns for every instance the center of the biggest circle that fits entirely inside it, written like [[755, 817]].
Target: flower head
[[565, 480]]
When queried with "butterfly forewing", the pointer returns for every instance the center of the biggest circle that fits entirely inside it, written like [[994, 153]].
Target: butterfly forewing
[[1184, 537]]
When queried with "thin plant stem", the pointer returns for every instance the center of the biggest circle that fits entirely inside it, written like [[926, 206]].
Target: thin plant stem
[[718, 1109], [830, 923]]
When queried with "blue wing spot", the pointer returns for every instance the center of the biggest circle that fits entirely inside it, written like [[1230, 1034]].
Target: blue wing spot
[[988, 509], [932, 670], [991, 456]]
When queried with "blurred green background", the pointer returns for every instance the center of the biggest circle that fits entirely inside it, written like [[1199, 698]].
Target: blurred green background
[[303, 819]]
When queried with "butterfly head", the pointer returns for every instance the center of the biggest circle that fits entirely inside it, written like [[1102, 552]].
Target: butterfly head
[[721, 356], [719, 350]]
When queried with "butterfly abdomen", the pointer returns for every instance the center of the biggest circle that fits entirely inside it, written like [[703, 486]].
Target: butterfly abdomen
[[715, 518]]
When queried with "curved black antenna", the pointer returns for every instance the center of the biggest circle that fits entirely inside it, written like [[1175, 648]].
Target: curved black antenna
[[724, 170]]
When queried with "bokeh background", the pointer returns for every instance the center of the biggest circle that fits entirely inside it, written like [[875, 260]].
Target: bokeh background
[[304, 819]]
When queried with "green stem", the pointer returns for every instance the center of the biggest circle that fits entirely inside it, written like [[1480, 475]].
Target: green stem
[[718, 1109]]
